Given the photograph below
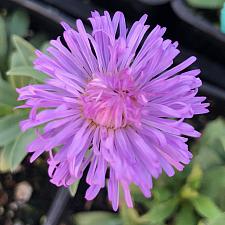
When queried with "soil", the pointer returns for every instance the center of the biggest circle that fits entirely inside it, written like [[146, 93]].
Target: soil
[[15, 211]]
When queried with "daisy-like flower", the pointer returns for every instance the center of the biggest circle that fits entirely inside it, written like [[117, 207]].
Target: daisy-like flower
[[111, 103]]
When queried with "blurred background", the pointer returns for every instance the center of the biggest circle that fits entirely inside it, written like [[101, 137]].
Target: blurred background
[[195, 196]]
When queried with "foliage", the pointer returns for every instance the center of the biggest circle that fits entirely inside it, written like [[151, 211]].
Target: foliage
[[206, 4], [16, 66], [222, 19], [16, 56], [215, 5], [192, 197], [73, 188]]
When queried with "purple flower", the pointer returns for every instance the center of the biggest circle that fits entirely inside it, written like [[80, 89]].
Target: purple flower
[[112, 103]]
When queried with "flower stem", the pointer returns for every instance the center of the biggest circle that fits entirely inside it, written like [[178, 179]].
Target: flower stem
[[57, 208]]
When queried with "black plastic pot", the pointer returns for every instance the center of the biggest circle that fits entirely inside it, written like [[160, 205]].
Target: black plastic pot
[[43, 17], [82, 9], [75, 8], [154, 2], [212, 72], [214, 90], [198, 33], [158, 10]]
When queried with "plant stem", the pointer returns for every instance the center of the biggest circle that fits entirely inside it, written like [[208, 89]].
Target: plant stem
[[58, 206]]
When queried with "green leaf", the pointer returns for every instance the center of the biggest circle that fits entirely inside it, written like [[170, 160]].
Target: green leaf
[[213, 184], [222, 19], [218, 220], [14, 152], [5, 109], [3, 43], [222, 139], [161, 211], [15, 60], [211, 150], [213, 131], [18, 150], [129, 216], [73, 188], [176, 182], [206, 4], [39, 39], [161, 193], [27, 71], [202, 222], [195, 177], [188, 192], [44, 47], [25, 49], [185, 214], [209, 159], [97, 218], [138, 196], [9, 128], [18, 23], [24, 60], [206, 207], [4, 158]]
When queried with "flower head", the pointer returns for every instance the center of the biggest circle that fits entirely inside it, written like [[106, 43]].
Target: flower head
[[112, 103]]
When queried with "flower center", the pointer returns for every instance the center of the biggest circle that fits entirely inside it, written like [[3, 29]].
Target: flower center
[[113, 101]]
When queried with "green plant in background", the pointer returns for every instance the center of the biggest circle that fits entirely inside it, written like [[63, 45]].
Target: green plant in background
[[222, 19], [206, 4], [212, 5], [16, 70], [195, 196], [16, 56]]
